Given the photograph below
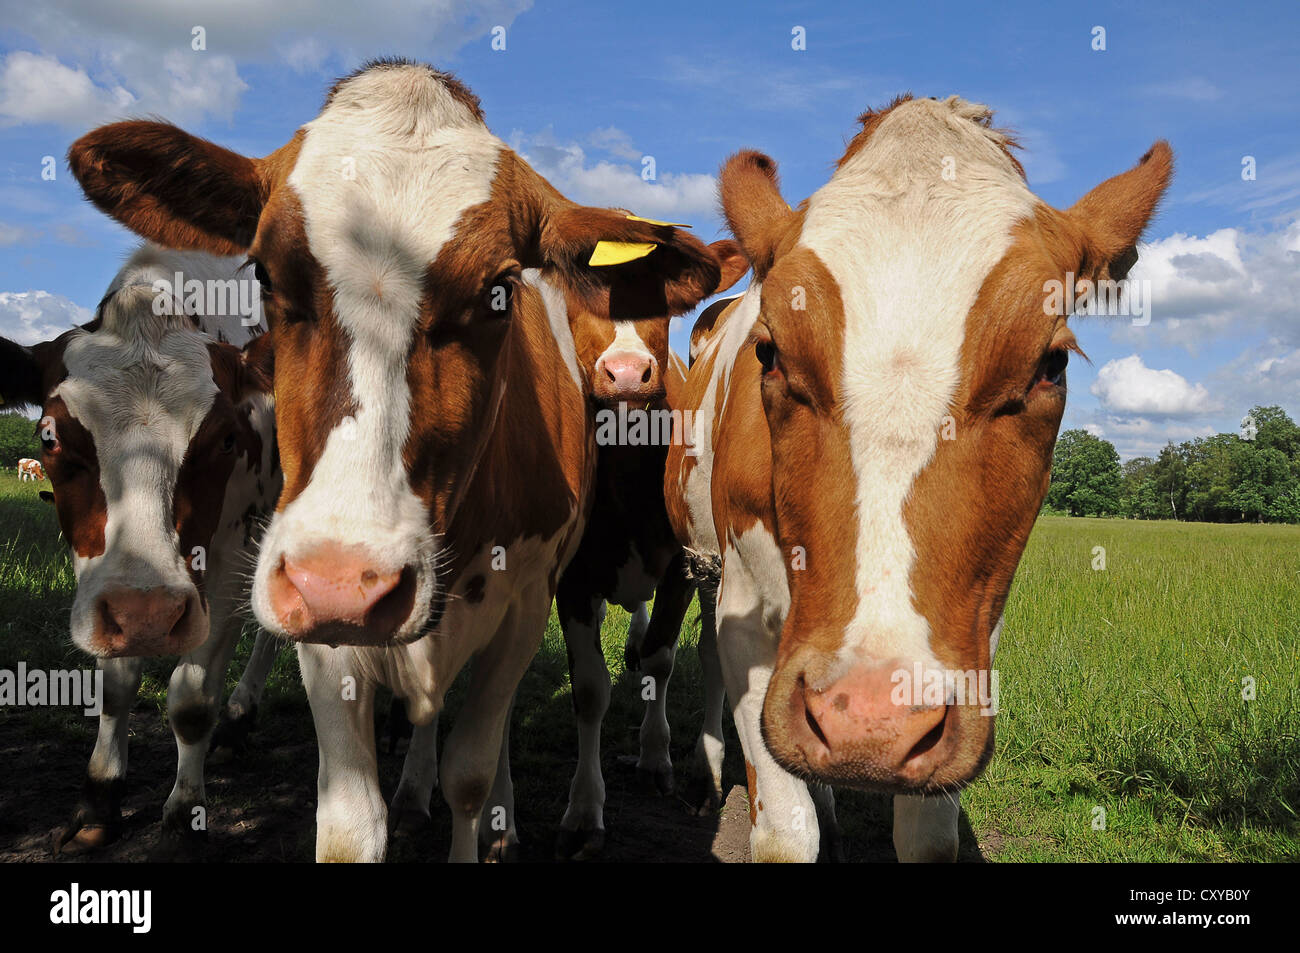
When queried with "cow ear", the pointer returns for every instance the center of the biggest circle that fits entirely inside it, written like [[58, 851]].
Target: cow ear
[[22, 374], [756, 213], [1115, 213], [625, 266], [258, 360], [732, 260], [170, 187]]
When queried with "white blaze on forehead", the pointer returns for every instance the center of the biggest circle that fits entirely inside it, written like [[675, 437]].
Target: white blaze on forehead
[[909, 227], [383, 175], [557, 315], [627, 341], [142, 396]]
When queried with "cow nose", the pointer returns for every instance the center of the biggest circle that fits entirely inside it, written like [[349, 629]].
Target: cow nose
[[139, 622], [626, 375], [334, 584], [857, 729]]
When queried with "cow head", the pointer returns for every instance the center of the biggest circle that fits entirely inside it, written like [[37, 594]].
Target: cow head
[[624, 360], [144, 422], [913, 381], [390, 235]]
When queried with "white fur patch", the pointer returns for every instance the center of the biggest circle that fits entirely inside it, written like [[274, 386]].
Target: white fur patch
[[384, 175], [910, 248], [726, 344], [557, 315]]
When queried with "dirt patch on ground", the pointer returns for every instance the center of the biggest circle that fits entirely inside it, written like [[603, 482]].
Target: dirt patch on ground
[[262, 802]]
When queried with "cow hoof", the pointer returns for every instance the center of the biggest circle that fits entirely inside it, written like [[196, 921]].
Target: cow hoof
[[230, 737], [502, 851], [658, 779], [703, 798], [579, 845], [77, 838]]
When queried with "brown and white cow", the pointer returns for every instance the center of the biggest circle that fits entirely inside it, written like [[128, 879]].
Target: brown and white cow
[[629, 552], [880, 409], [628, 555], [29, 469], [157, 435], [432, 421]]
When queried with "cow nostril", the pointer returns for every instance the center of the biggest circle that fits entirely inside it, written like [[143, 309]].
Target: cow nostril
[[609, 373], [110, 623], [645, 376], [928, 740], [810, 718]]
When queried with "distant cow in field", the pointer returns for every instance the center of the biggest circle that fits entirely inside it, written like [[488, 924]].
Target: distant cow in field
[[29, 469], [878, 413], [433, 423], [158, 437]]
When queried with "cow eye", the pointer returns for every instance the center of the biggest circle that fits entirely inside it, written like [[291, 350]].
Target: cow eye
[[228, 445], [263, 278], [765, 351], [49, 439], [500, 296], [1054, 365]]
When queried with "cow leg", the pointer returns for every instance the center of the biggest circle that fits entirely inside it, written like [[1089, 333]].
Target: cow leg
[[925, 828], [582, 829], [469, 763], [710, 748], [409, 808], [351, 817], [497, 830], [97, 819], [193, 698], [658, 652], [782, 813], [240, 714], [832, 845]]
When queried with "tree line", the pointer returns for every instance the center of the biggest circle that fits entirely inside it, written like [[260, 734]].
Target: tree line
[[1247, 477], [17, 439]]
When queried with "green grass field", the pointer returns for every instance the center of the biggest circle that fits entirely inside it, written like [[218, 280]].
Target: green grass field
[[1121, 690]]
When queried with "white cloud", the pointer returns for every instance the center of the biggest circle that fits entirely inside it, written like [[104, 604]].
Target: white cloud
[[1128, 386], [675, 196], [1229, 283], [41, 89], [99, 60], [29, 317], [614, 141], [13, 234]]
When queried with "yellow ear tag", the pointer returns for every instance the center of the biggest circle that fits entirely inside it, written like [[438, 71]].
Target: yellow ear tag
[[616, 253], [651, 221]]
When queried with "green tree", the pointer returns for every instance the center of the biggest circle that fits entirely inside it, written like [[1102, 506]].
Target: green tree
[[1274, 429], [1139, 498], [17, 439], [1086, 476]]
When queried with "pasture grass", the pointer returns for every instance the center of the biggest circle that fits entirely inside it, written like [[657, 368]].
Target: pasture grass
[[1120, 691]]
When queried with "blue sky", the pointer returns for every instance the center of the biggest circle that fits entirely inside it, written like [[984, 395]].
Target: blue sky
[[586, 90]]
